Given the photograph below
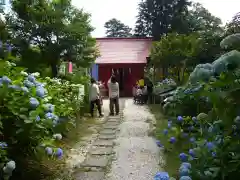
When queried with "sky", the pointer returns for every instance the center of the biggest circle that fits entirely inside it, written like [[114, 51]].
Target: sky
[[126, 11]]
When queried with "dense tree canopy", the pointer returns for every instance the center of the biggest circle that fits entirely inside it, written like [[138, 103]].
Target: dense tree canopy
[[115, 28], [50, 31], [158, 17]]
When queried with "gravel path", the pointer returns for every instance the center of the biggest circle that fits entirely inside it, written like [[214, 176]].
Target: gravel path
[[137, 155]]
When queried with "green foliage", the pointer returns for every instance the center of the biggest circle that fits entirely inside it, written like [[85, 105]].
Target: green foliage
[[115, 28], [56, 29], [174, 49], [32, 110]]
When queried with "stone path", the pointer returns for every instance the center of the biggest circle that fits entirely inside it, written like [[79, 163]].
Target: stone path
[[124, 141]]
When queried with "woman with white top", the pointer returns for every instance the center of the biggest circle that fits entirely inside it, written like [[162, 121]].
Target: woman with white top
[[94, 97]]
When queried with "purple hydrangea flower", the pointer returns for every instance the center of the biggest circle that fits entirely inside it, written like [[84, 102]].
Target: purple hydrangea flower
[[59, 152], [165, 131], [172, 140], [186, 165], [180, 119], [183, 157], [210, 146], [184, 172], [159, 144], [191, 152], [185, 178], [162, 176], [34, 103], [192, 139]]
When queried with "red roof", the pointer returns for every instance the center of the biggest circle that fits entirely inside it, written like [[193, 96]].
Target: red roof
[[123, 50]]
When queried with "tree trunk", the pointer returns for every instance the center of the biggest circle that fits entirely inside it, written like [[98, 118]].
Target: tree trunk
[[54, 69]]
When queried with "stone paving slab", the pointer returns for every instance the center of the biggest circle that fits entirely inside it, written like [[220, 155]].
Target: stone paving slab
[[95, 162], [109, 126], [89, 176], [107, 131], [114, 120], [101, 151], [107, 136], [106, 143], [112, 124]]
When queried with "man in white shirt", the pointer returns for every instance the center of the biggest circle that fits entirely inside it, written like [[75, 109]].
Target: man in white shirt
[[113, 88], [94, 97]]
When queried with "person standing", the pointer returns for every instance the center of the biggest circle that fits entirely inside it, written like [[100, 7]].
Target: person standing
[[94, 97], [113, 88]]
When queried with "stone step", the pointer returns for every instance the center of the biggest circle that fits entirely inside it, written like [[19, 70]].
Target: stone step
[[89, 175], [107, 132], [100, 162], [107, 136], [101, 151], [100, 142]]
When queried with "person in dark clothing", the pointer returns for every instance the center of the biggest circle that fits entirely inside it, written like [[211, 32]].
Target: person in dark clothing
[[94, 97], [150, 91]]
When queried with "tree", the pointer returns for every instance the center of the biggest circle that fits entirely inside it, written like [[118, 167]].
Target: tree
[[158, 17], [234, 26], [115, 28], [175, 51], [202, 21], [50, 31]]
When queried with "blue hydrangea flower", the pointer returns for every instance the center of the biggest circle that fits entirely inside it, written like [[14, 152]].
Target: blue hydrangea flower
[[159, 144], [214, 154], [49, 108], [3, 145], [192, 139], [14, 87], [38, 118], [28, 83], [194, 119], [185, 178], [162, 176], [184, 171], [6, 80], [184, 135], [210, 145], [34, 103], [31, 78], [165, 131], [180, 119], [59, 152], [169, 125], [40, 92], [191, 128], [49, 115], [172, 140], [186, 165], [191, 152], [25, 90], [49, 150], [210, 129], [183, 157]]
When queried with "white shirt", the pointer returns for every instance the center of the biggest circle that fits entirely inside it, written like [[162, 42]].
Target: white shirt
[[94, 92], [139, 92], [113, 89]]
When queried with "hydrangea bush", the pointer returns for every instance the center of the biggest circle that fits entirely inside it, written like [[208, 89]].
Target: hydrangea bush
[[31, 109], [210, 133], [164, 85]]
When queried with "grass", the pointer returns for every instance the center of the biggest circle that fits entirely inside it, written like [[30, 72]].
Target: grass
[[171, 152]]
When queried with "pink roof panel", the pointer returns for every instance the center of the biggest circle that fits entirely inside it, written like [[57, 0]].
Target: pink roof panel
[[123, 50]]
